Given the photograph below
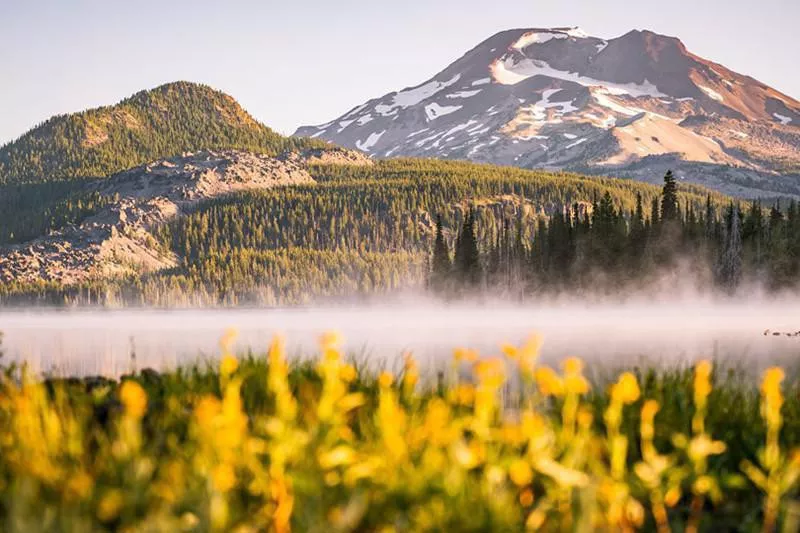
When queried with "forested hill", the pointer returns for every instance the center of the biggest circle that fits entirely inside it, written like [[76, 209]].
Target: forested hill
[[353, 231], [153, 124]]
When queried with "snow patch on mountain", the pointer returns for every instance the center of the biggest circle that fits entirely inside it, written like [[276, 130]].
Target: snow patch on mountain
[[463, 94], [510, 72], [434, 110], [577, 33], [344, 123], [604, 99], [536, 37], [479, 132], [371, 141], [782, 118], [411, 97], [576, 143], [539, 109], [365, 119], [415, 133], [544, 36], [711, 93]]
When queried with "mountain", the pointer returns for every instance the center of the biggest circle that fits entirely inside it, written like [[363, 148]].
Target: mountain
[[558, 98], [153, 124]]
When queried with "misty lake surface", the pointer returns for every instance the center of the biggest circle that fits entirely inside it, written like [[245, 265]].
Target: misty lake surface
[[89, 342]]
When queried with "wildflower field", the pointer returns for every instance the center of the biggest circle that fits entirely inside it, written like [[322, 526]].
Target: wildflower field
[[499, 443]]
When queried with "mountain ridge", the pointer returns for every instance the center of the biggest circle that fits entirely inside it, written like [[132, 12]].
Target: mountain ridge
[[151, 124]]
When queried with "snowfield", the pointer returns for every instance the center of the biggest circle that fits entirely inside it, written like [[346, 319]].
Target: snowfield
[[434, 110], [509, 72], [370, 142], [782, 119], [411, 97]]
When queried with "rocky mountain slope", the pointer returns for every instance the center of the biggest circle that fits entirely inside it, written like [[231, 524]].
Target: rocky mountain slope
[[117, 240], [558, 98], [153, 124]]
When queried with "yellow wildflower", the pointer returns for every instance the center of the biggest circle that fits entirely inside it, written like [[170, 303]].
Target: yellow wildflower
[[702, 446], [386, 379], [702, 382], [110, 505], [411, 373], [189, 521], [348, 373], [223, 477], [510, 351], [332, 478], [207, 409], [339, 456], [672, 497], [80, 485], [634, 512], [351, 401], [772, 395], [549, 383], [574, 382], [572, 366], [468, 455], [463, 394], [464, 354], [520, 472], [133, 398], [495, 475], [228, 365], [649, 410], [626, 389], [490, 372]]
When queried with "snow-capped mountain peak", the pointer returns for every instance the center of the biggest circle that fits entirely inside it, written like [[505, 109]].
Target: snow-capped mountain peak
[[557, 97]]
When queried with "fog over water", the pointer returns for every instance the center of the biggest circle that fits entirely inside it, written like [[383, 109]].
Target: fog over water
[[665, 333]]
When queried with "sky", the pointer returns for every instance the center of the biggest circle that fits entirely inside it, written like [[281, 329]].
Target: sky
[[301, 62]]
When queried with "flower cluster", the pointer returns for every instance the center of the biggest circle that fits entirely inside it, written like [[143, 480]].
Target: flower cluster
[[263, 444]]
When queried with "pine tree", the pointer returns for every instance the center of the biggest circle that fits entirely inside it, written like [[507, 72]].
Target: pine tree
[[655, 210], [638, 233], [710, 219], [441, 266], [467, 261], [730, 264], [669, 198]]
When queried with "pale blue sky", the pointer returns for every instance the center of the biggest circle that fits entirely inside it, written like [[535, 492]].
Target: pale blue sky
[[298, 62]]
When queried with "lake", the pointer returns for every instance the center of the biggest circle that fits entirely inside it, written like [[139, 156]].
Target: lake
[[89, 342]]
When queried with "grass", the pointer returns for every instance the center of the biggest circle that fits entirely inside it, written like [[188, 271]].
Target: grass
[[261, 444]]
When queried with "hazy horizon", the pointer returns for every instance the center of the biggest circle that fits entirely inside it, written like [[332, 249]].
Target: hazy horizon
[[667, 333], [292, 65]]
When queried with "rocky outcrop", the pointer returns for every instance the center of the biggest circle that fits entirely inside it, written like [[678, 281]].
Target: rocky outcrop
[[118, 240], [337, 156]]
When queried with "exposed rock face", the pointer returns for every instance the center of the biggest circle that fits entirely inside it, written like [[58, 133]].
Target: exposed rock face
[[337, 156], [558, 98], [117, 240]]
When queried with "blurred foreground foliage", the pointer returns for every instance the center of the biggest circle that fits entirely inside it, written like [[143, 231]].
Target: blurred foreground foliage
[[261, 443]]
